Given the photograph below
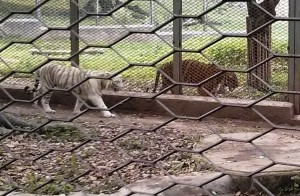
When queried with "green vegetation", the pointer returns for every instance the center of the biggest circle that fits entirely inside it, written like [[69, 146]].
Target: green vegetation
[[65, 132], [187, 163], [132, 144], [58, 186], [282, 184], [19, 57], [291, 186]]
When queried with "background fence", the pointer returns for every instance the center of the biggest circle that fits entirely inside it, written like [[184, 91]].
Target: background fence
[[235, 35], [229, 18]]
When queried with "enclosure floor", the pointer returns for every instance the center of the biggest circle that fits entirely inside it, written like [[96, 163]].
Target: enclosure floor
[[235, 157], [224, 125]]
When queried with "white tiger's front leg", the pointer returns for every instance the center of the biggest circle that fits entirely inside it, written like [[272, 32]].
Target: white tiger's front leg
[[37, 92], [98, 101], [44, 100]]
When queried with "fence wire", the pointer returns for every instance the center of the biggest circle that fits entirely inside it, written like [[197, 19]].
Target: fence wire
[[230, 49]]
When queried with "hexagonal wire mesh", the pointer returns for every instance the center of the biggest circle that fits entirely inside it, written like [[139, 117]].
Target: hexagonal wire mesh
[[232, 49]]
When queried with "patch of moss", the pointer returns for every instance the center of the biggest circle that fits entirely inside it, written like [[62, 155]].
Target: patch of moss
[[63, 132]]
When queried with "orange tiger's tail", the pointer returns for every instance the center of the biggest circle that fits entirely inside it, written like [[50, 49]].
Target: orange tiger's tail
[[156, 81]]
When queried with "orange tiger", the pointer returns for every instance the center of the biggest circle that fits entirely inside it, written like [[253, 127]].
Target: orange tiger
[[194, 71]]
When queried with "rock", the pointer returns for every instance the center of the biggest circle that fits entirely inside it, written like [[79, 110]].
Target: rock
[[187, 186]]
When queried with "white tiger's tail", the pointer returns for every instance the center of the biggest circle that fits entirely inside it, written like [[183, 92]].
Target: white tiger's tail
[[31, 90], [156, 81]]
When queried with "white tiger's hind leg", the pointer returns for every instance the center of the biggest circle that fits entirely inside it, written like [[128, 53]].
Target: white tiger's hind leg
[[44, 100], [36, 103], [45, 103], [78, 106], [98, 101], [37, 93]]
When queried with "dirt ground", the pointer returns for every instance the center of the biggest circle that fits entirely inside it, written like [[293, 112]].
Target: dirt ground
[[100, 155]]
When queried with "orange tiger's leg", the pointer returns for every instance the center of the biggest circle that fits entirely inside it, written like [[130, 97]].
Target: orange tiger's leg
[[201, 92], [208, 86], [166, 83]]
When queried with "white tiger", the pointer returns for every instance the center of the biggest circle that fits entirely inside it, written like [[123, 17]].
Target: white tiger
[[65, 77]]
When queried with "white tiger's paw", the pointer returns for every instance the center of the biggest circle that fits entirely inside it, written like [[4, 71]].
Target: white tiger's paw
[[50, 111], [76, 112], [109, 115]]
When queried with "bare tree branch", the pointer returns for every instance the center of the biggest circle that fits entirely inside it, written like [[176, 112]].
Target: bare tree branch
[[6, 120], [108, 5]]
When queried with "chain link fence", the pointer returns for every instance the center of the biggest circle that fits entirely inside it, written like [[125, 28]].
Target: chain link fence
[[237, 45]]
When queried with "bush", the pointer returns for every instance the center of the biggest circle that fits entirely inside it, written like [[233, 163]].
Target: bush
[[230, 52]]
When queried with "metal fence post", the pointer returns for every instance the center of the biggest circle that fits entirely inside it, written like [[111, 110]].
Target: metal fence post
[[152, 14], [177, 43], [204, 18], [38, 11], [74, 31], [294, 48], [97, 10]]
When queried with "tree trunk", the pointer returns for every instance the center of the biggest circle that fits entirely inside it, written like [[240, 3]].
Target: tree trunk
[[7, 122], [256, 51], [256, 54]]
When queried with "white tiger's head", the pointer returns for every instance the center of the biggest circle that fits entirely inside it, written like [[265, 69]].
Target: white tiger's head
[[117, 83]]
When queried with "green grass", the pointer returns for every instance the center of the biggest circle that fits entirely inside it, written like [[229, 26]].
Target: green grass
[[230, 53], [20, 58], [58, 186]]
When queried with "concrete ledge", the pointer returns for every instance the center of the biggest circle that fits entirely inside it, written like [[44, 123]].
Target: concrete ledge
[[193, 106], [64, 52]]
